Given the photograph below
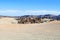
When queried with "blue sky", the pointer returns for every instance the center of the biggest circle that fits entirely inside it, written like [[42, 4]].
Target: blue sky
[[29, 7]]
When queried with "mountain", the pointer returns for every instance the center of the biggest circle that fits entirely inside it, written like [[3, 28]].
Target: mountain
[[48, 16]]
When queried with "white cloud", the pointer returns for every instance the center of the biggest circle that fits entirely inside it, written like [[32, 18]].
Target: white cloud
[[28, 12], [11, 11], [42, 12]]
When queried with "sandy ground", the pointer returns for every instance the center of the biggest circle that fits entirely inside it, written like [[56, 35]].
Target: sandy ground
[[42, 31]]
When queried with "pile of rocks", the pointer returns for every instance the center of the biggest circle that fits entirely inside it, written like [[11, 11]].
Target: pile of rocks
[[27, 20]]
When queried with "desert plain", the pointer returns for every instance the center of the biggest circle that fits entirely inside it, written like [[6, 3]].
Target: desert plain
[[41, 31]]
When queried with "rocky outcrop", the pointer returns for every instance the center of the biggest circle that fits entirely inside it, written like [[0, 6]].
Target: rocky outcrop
[[26, 19]]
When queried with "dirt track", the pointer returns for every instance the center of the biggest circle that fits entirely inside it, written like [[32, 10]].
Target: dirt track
[[43, 31]]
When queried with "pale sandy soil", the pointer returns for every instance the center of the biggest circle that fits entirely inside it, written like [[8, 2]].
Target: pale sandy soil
[[42, 31]]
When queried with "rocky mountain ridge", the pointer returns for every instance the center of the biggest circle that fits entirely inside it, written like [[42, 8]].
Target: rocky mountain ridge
[[33, 18], [48, 16]]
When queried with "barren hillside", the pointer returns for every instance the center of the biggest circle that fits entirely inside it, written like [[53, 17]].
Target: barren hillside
[[43, 31]]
